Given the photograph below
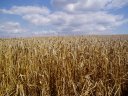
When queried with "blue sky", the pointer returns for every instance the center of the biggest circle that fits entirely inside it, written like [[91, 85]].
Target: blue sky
[[62, 17]]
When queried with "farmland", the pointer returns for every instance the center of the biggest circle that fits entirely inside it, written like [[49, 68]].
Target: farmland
[[64, 66]]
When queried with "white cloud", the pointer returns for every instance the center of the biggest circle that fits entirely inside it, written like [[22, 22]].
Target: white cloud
[[62, 21], [83, 16], [37, 19], [22, 10], [45, 32], [88, 5], [60, 3], [86, 22], [11, 27]]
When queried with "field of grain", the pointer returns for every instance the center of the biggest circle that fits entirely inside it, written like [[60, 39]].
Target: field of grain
[[64, 66]]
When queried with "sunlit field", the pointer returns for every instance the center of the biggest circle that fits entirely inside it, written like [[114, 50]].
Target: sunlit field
[[64, 66]]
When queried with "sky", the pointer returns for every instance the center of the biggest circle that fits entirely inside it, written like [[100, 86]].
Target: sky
[[19, 18]]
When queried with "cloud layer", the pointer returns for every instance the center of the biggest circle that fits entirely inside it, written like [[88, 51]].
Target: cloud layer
[[73, 17]]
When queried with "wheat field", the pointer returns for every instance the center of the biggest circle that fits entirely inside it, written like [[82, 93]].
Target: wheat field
[[64, 66]]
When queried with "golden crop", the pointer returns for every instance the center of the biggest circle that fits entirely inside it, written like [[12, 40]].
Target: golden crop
[[64, 66]]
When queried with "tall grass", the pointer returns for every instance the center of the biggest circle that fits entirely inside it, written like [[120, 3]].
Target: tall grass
[[64, 66]]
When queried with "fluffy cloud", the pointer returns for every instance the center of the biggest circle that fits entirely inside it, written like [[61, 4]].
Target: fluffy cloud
[[85, 22], [93, 22], [23, 10], [45, 32], [88, 5], [11, 27], [64, 22], [83, 16], [37, 19], [83, 5]]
